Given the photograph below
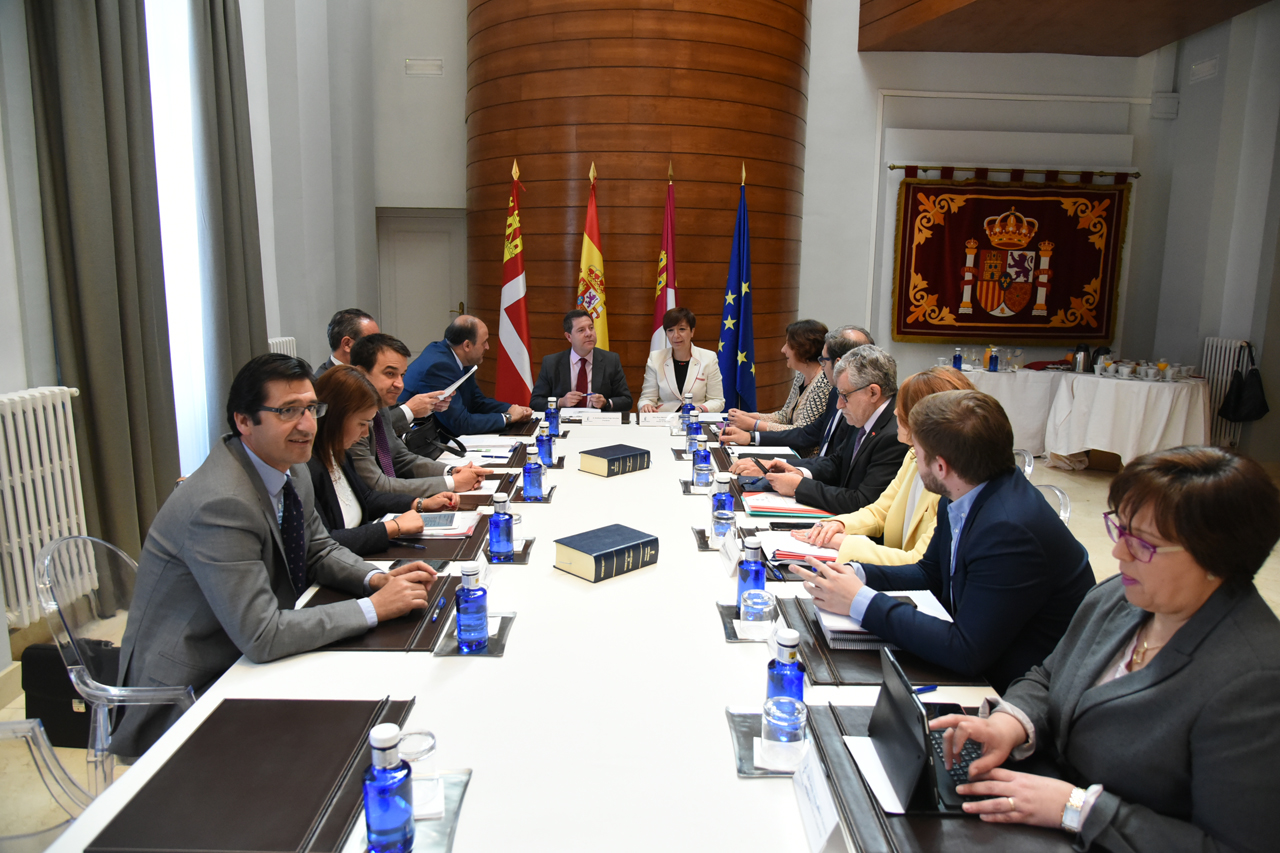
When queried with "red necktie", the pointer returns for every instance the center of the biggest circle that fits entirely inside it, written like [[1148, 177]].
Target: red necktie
[[581, 384]]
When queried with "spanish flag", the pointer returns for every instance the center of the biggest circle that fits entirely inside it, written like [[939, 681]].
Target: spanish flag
[[591, 272]]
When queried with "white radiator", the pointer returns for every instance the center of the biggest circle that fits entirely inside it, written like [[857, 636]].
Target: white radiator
[[1222, 357], [40, 493], [284, 346]]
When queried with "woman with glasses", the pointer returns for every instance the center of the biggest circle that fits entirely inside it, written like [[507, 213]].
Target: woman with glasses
[[810, 389], [347, 506], [906, 512], [1156, 720]]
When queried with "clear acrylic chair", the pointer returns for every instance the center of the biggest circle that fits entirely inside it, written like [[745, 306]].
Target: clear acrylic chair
[[1024, 460], [69, 798], [85, 587], [1057, 498]]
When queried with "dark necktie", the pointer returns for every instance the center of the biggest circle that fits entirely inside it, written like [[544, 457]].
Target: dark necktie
[[293, 532], [857, 441], [383, 447], [581, 384]]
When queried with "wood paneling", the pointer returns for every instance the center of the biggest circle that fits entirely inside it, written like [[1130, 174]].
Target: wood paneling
[[1089, 27], [706, 85]]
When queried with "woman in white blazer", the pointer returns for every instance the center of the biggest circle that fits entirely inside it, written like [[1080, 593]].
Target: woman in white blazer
[[681, 368]]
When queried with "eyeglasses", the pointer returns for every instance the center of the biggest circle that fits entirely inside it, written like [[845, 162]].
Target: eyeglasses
[[822, 359], [844, 398], [1141, 549], [292, 413]]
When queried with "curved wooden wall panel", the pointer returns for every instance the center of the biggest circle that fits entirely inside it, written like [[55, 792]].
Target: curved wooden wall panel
[[707, 85]]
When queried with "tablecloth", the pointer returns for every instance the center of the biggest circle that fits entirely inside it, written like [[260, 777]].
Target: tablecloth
[[1126, 417]]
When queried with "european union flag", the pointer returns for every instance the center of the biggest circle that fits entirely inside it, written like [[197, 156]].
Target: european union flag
[[737, 353]]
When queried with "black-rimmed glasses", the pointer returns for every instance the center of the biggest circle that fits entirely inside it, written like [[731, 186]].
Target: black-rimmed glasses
[[292, 413]]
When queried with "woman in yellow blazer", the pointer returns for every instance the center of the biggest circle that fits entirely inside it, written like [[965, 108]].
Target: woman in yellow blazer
[[906, 513]]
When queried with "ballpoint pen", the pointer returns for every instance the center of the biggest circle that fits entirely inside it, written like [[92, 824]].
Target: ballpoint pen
[[928, 688], [404, 544], [439, 609]]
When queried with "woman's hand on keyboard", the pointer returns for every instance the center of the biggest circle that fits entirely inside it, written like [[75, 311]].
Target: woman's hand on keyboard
[[999, 735]]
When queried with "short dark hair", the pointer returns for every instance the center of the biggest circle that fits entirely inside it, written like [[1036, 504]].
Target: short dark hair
[[462, 330], [365, 352], [249, 388], [347, 323], [345, 390], [838, 345], [805, 338], [969, 429], [672, 318], [1221, 507], [572, 316]]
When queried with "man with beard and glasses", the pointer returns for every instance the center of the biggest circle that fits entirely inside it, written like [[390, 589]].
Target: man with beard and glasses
[[1001, 561]]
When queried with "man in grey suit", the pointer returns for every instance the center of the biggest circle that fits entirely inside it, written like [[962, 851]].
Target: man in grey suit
[[350, 325], [583, 375], [381, 459], [233, 549]]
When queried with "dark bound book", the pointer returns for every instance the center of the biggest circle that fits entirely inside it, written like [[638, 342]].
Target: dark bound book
[[606, 552], [613, 460], [257, 776]]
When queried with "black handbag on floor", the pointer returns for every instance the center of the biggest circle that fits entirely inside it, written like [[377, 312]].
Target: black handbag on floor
[[1245, 400]]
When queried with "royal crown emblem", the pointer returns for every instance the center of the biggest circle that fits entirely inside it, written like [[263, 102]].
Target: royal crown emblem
[[1010, 230]]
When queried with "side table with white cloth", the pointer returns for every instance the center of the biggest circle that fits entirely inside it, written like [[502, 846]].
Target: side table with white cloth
[[1127, 417], [1026, 396]]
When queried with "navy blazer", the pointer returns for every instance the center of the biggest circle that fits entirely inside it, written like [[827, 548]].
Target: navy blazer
[[370, 537], [606, 378], [844, 482], [1019, 577], [471, 412], [808, 438]]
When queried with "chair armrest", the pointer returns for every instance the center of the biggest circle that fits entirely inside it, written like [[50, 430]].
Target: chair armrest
[[104, 694]]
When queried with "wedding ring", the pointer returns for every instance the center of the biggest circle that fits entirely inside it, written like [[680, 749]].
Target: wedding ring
[[1013, 807]]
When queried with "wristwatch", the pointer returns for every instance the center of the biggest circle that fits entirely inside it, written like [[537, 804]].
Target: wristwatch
[[1071, 811], [506, 419]]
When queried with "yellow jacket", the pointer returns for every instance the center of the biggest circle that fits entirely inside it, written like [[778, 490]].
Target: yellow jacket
[[885, 518]]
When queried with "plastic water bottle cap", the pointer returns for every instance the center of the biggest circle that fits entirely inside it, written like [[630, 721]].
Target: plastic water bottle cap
[[724, 477], [384, 736], [470, 568], [787, 637], [501, 497], [752, 542]]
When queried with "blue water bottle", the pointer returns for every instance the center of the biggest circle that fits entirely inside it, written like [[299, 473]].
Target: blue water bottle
[[501, 544], [472, 608], [721, 510], [552, 416], [786, 670], [533, 481], [994, 365], [688, 413], [957, 360], [388, 793], [693, 431], [702, 470], [750, 567], [546, 445]]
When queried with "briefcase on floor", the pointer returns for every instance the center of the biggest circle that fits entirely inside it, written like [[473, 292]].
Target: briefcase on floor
[[51, 698]]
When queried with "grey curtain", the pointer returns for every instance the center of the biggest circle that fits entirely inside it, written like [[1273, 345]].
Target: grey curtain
[[101, 217], [235, 310]]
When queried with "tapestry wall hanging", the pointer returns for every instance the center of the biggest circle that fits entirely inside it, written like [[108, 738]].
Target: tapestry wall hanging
[[1011, 263]]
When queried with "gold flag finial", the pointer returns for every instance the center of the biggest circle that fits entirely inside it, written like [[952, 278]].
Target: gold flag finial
[[515, 170], [592, 173], [671, 175], [744, 173]]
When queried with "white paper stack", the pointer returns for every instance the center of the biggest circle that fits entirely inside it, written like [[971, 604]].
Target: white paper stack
[[842, 632], [780, 546]]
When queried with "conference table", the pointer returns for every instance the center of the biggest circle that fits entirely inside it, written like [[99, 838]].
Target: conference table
[[1055, 411], [603, 726]]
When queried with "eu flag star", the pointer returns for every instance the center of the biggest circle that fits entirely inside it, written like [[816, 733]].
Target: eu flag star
[[742, 357], [728, 322], [753, 370], [721, 347], [728, 297], [746, 287]]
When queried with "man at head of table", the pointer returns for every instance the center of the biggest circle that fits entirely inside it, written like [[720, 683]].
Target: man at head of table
[[583, 376], [444, 362], [235, 546], [1001, 561]]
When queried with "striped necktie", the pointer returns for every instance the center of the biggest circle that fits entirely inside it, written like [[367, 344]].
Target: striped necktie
[[383, 447]]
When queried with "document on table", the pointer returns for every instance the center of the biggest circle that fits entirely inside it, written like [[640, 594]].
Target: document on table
[[589, 416], [464, 524], [790, 549], [659, 419], [487, 487], [842, 632], [771, 503]]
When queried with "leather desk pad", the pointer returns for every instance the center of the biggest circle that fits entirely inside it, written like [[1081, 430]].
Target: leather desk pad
[[412, 632]]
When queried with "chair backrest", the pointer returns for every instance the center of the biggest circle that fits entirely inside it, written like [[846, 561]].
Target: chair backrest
[[85, 587], [1024, 460], [1057, 498], [34, 825]]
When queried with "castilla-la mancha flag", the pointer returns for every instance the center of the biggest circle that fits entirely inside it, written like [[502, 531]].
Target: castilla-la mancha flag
[[591, 273], [515, 377], [665, 298]]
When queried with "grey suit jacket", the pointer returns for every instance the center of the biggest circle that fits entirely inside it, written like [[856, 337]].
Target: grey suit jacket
[[606, 378], [1185, 748], [213, 583], [415, 475]]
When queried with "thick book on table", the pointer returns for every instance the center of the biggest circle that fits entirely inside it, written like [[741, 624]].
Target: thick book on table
[[613, 460], [415, 631], [606, 552], [257, 776]]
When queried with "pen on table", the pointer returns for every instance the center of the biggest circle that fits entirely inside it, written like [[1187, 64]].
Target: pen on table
[[495, 456], [439, 609], [404, 544], [928, 688]]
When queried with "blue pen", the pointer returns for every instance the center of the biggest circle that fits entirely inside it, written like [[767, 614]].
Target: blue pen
[[403, 544], [928, 688], [492, 456], [439, 609]]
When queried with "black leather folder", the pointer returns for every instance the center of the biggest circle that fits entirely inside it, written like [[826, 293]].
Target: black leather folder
[[826, 665], [257, 776], [873, 831], [412, 632]]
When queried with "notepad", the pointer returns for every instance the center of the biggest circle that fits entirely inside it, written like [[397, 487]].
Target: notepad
[[843, 632]]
